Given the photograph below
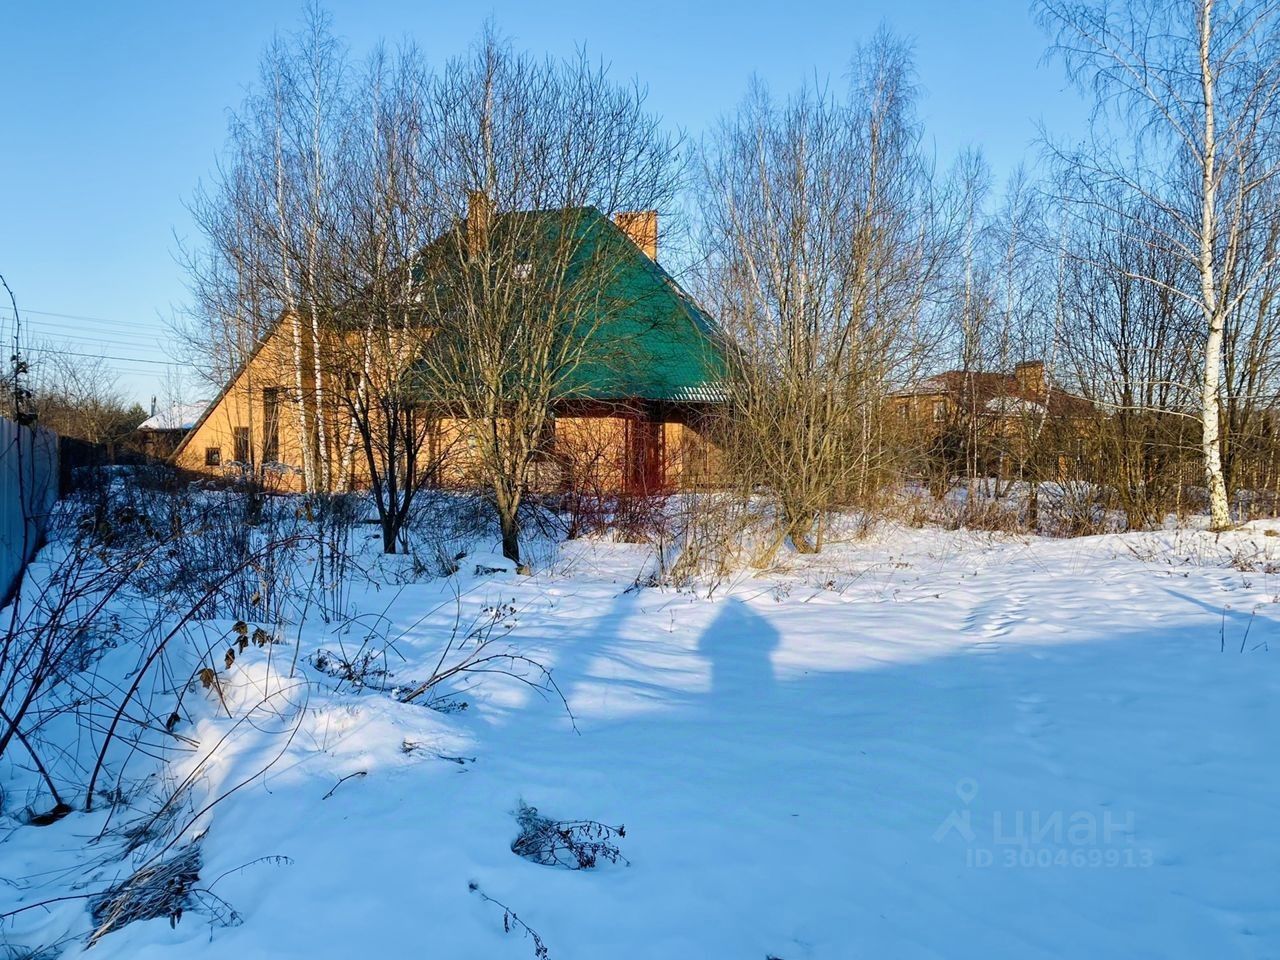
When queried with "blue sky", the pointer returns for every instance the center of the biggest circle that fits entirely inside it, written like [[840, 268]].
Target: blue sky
[[114, 111]]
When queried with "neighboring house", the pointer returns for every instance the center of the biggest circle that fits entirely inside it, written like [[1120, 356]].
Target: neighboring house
[[160, 434], [997, 419], [632, 424]]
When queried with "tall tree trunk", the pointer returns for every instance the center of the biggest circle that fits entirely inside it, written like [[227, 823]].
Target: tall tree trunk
[[300, 404], [323, 478], [1211, 438], [509, 521], [289, 298]]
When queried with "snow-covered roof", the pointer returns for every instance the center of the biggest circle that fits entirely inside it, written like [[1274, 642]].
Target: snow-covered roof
[[179, 416]]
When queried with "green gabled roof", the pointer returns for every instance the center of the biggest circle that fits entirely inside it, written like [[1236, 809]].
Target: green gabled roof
[[661, 345], [654, 342]]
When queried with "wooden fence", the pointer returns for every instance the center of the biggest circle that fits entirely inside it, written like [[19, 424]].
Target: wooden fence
[[28, 491]]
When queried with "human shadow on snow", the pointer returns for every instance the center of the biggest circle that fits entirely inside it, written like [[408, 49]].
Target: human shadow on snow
[[739, 645]]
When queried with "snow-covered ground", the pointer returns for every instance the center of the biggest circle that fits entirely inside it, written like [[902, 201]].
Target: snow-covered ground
[[920, 744]]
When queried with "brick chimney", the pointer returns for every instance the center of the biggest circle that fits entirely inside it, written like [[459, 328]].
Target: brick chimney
[[479, 217], [1030, 377], [642, 227]]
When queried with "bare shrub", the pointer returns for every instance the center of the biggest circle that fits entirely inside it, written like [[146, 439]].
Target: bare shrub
[[145, 586], [158, 890], [242, 559], [572, 844], [166, 888], [985, 514], [365, 668], [1076, 509], [16, 951], [822, 254], [641, 518], [444, 526], [336, 518], [705, 537], [473, 648], [510, 921]]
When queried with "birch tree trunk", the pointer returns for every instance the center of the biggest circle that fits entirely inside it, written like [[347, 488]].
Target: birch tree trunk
[[286, 278], [314, 227], [1196, 87], [1211, 440]]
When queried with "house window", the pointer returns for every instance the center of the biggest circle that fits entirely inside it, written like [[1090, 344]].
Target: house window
[[939, 411], [241, 435], [270, 424], [213, 456], [523, 271], [904, 409]]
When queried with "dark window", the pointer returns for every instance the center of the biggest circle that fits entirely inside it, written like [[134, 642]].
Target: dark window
[[270, 424], [213, 456], [241, 435]]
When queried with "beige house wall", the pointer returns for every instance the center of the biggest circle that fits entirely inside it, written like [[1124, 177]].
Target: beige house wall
[[590, 451], [242, 406]]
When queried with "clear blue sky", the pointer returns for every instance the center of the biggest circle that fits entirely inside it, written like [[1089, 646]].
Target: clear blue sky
[[114, 111]]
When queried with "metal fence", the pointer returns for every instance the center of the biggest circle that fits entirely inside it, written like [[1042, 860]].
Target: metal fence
[[28, 491]]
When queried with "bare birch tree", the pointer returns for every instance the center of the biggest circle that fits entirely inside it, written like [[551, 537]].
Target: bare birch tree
[[1201, 80], [267, 221]]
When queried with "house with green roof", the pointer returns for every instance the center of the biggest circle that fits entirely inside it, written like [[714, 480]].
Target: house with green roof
[[630, 413], [645, 362]]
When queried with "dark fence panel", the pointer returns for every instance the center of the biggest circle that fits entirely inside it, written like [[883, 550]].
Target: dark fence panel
[[79, 460], [28, 491]]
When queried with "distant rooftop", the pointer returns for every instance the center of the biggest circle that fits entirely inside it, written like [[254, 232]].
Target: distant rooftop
[[179, 416]]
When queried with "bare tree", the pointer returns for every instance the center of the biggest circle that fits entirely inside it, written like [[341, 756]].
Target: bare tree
[[542, 153], [1129, 343], [1201, 80], [233, 309], [822, 251], [1005, 415], [1251, 355], [268, 220], [76, 396], [374, 330], [973, 320]]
